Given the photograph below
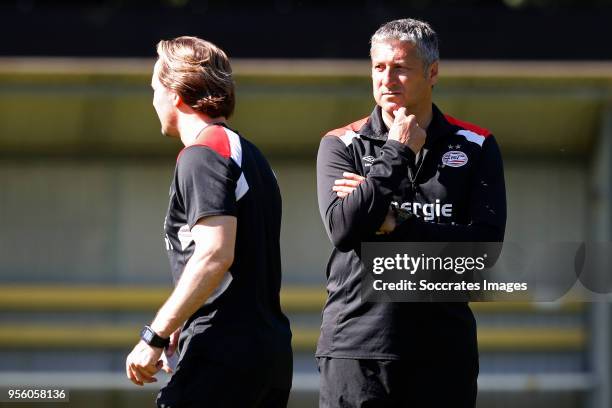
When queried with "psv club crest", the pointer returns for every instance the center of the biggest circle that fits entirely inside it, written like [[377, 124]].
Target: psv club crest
[[454, 158]]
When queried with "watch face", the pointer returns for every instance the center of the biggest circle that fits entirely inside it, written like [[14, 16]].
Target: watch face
[[152, 339], [147, 335]]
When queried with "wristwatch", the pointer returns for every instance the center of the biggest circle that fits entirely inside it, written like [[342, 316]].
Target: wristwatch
[[153, 339]]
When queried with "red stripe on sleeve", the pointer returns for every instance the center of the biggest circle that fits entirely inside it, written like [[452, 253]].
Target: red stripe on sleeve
[[355, 126], [469, 126], [214, 137]]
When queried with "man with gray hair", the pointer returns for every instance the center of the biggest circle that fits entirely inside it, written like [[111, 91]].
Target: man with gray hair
[[377, 180]]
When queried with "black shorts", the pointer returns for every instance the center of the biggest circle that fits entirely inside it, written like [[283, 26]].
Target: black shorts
[[351, 383], [199, 382]]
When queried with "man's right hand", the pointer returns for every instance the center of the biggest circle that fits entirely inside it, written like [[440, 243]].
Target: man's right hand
[[406, 130]]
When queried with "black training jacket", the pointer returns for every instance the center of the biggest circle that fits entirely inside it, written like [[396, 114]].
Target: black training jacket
[[455, 187]]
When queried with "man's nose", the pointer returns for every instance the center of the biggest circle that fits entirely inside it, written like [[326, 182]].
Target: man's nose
[[386, 77]]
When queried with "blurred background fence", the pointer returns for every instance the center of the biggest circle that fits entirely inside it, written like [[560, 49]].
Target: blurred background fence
[[84, 174]]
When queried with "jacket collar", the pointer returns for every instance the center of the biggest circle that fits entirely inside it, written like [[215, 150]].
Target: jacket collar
[[376, 129]]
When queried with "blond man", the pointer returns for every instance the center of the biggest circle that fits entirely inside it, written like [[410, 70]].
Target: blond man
[[222, 238]]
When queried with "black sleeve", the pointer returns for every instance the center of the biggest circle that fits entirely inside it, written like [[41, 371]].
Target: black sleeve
[[348, 220], [206, 183], [487, 207]]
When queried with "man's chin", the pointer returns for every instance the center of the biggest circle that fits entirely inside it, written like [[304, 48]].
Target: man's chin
[[391, 107]]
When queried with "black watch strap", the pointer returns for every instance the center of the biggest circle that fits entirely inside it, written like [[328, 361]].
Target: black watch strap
[[153, 339]]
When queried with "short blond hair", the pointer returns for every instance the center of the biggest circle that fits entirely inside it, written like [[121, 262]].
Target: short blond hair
[[200, 72]]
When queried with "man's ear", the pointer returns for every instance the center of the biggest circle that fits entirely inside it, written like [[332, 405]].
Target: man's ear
[[175, 98], [433, 73]]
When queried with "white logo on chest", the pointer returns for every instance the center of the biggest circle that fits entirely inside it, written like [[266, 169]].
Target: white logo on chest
[[454, 158], [368, 160]]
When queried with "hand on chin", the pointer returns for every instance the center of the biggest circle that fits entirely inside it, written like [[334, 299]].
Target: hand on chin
[[391, 103], [391, 107]]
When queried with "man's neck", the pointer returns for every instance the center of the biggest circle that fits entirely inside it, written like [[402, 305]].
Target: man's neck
[[190, 126], [423, 115]]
